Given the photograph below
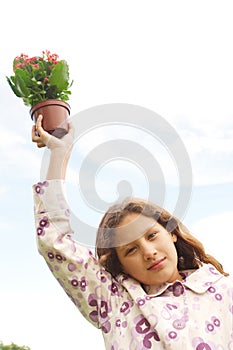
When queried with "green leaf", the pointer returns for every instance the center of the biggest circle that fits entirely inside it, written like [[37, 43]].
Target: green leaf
[[60, 76], [14, 89], [22, 82], [13, 346]]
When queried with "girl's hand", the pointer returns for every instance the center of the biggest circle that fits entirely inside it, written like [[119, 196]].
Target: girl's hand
[[43, 138], [60, 149]]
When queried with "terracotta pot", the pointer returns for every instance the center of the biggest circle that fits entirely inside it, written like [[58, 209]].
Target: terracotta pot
[[55, 116]]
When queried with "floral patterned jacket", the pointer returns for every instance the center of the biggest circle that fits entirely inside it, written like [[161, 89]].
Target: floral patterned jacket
[[193, 314]]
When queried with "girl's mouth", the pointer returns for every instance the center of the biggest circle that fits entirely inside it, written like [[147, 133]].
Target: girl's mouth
[[157, 264]]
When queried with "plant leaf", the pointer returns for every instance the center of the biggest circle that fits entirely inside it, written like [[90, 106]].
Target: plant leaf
[[13, 87], [22, 82], [60, 76]]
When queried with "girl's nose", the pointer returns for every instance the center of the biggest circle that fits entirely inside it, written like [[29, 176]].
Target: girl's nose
[[149, 251]]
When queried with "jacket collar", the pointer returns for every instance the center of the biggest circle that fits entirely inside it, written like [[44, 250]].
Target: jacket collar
[[199, 281]]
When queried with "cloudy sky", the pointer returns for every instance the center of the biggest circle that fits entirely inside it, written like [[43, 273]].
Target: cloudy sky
[[171, 57]]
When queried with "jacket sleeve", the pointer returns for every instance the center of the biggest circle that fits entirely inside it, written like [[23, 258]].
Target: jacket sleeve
[[90, 287]]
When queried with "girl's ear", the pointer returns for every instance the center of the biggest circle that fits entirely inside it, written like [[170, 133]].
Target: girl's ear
[[174, 237]]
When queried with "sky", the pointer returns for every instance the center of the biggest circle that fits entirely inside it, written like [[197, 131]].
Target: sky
[[173, 58]]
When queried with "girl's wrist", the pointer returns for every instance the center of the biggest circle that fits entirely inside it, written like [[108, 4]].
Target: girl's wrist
[[59, 158]]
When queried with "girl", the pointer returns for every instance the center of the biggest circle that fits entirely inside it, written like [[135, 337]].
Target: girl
[[152, 285]]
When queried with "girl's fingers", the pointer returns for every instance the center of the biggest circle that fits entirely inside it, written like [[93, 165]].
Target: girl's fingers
[[39, 128], [40, 144], [35, 133], [35, 137], [44, 136], [39, 121]]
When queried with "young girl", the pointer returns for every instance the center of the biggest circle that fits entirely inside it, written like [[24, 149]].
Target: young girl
[[152, 285]]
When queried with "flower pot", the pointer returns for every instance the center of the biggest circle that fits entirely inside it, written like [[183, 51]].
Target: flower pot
[[55, 116]]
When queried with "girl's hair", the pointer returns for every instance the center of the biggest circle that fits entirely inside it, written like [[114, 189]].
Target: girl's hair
[[190, 251]]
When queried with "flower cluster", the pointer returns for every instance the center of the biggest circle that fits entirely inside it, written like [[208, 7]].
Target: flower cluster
[[40, 78]]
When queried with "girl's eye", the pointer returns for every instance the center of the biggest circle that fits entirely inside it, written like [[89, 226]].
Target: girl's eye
[[152, 235], [130, 250]]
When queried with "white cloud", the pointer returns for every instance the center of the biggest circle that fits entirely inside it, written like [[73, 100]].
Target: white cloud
[[210, 152], [87, 147], [215, 141], [215, 232], [18, 155]]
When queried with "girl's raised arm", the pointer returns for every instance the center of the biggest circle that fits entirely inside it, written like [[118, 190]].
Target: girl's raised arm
[[60, 149]]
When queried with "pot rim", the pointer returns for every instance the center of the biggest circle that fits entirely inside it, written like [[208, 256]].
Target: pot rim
[[49, 102]]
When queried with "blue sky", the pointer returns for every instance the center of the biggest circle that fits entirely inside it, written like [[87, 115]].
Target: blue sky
[[174, 58]]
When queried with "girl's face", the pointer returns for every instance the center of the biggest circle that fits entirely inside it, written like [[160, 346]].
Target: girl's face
[[150, 257]]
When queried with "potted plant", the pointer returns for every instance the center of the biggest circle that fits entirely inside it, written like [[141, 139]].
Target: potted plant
[[43, 84]]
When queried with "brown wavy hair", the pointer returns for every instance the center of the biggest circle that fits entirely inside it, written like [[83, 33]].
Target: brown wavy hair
[[190, 251]]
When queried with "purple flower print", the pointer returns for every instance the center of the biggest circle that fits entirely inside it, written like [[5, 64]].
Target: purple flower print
[[148, 337], [40, 231], [172, 335], [211, 289], [142, 301], [143, 327], [79, 259], [44, 222], [210, 326], [101, 277], [102, 308], [39, 187], [179, 323], [218, 296], [213, 270], [171, 306], [106, 327], [199, 344], [119, 323], [53, 256], [125, 307], [93, 314], [71, 267], [177, 289], [60, 258], [203, 346], [114, 288], [50, 256], [83, 284], [74, 282]]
